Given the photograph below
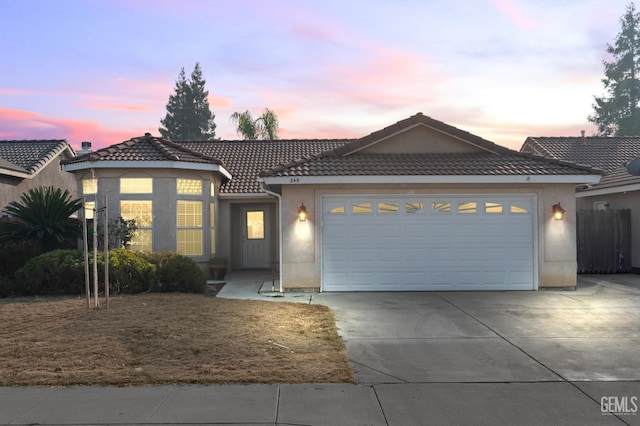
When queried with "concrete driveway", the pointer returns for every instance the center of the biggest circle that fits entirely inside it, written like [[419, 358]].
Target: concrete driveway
[[522, 354]]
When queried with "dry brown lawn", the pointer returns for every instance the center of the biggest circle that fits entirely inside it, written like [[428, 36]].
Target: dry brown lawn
[[169, 338]]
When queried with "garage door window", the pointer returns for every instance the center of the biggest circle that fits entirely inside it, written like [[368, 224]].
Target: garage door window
[[467, 208], [388, 208], [439, 207], [361, 208], [337, 210], [519, 209], [493, 208], [412, 208]]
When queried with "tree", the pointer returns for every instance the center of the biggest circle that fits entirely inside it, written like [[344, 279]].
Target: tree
[[188, 114], [619, 113], [42, 214], [263, 127]]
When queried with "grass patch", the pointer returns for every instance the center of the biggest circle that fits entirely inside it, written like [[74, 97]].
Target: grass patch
[[169, 338]]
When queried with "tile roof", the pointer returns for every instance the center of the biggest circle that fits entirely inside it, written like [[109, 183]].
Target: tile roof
[[606, 153], [246, 159], [145, 148], [30, 156], [618, 177], [470, 164]]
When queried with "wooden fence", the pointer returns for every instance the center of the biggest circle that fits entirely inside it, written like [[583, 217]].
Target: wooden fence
[[604, 241]]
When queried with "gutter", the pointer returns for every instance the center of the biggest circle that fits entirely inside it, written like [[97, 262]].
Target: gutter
[[265, 188]]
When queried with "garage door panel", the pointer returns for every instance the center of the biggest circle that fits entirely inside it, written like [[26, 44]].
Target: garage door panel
[[430, 248]]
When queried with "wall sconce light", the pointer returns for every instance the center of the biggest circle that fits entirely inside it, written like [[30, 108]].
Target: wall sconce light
[[558, 211], [302, 213]]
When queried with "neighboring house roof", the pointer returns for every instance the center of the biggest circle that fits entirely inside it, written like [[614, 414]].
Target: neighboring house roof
[[246, 159], [606, 153], [489, 159], [26, 158]]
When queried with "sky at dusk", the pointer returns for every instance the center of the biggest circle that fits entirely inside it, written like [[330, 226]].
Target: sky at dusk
[[103, 70]]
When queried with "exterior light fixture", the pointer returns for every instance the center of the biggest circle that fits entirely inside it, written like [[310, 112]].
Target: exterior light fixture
[[302, 213], [558, 212]]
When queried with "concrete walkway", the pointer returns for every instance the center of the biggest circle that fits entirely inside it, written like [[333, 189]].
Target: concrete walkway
[[548, 357]]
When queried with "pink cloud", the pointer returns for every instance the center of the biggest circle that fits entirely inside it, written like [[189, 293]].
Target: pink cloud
[[19, 124], [509, 8], [118, 107]]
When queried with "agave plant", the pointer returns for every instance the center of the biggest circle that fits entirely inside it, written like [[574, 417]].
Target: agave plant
[[42, 214]]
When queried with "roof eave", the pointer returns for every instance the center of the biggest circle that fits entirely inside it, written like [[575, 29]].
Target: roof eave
[[180, 165], [422, 179]]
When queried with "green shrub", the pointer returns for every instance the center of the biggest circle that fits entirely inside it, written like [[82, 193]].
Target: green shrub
[[176, 273], [130, 271], [52, 273], [14, 254]]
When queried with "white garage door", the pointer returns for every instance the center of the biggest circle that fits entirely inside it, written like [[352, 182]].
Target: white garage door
[[418, 243]]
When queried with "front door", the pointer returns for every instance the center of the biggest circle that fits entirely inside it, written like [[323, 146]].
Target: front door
[[255, 238]]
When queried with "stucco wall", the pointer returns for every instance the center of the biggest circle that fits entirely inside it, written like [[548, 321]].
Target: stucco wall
[[420, 139], [556, 249], [12, 188]]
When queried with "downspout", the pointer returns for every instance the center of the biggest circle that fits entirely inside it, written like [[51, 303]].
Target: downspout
[[265, 188]]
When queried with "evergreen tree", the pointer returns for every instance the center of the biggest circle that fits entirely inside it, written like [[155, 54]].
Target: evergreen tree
[[263, 127], [188, 114], [619, 113]]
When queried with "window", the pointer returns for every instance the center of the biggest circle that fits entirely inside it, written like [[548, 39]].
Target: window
[[189, 223], [411, 208], [440, 207], [337, 210], [600, 205], [493, 208], [361, 208], [255, 225], [213, 189], [89, 207], [136, 185], [189, 186], [518, 209], [388, 208], [89, 186], [467, 208], [142, 213]]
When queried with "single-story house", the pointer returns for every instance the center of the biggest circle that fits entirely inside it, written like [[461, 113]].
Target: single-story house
[[26, 164], [616, 190], [418, 205]]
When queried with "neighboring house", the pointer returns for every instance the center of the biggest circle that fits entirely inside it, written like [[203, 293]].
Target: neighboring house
[[616, 190], [418, 205], [26, 164]]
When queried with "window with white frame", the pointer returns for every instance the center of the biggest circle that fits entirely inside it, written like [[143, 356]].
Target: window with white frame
[[142, 212], [136, 185], [189, 186], [189, 228]]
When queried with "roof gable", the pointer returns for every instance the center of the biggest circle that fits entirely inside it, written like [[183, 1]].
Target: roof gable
[[454, 153], [26, 158], [420, 134]]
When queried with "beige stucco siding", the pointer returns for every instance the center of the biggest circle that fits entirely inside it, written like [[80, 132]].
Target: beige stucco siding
[[420, 139], [555, 240], [11, 188]]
